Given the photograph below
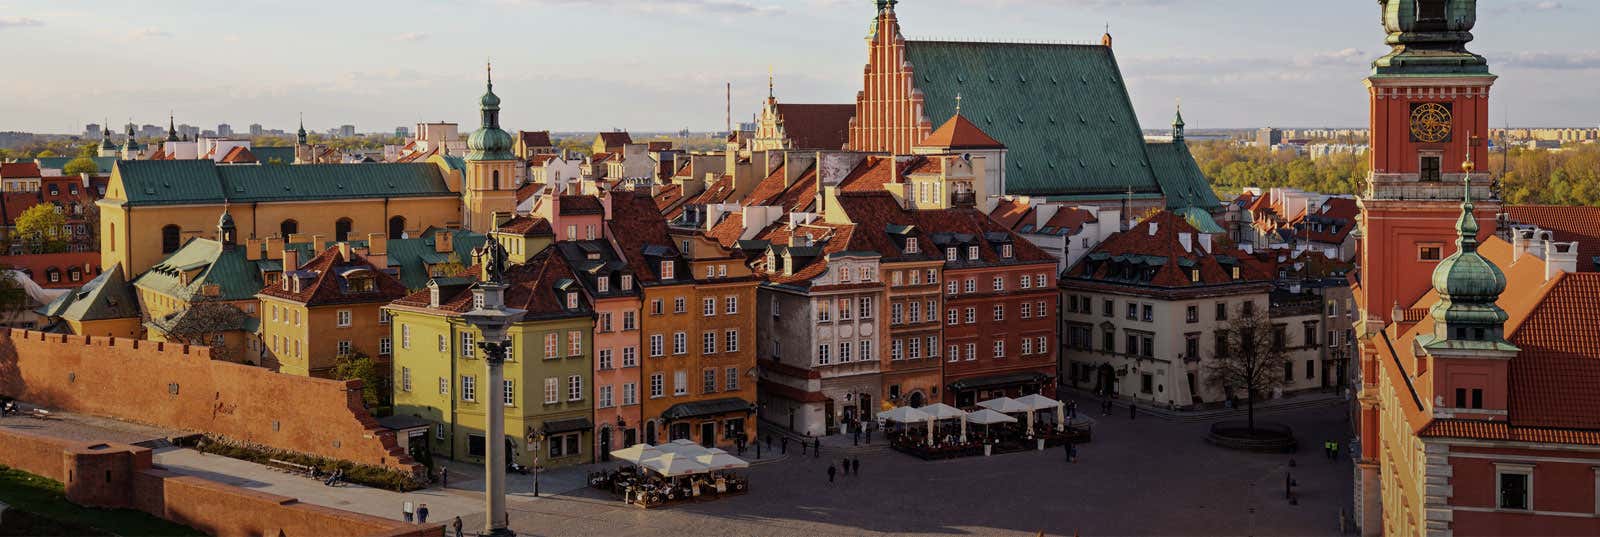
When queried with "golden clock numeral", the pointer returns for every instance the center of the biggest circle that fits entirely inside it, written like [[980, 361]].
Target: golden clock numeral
[[1430, 123]]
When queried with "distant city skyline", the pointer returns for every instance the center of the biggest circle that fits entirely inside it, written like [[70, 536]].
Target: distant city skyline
[[660, 65]]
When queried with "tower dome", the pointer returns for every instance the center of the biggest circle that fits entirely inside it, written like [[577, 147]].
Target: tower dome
[[489, 142], [1469, 286]]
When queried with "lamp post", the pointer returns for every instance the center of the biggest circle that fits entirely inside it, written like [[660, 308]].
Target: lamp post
[[492, 319]]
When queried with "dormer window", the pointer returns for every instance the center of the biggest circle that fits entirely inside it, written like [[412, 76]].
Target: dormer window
[[1005, 251], [603, 284], [972, 253], [667, 270], [1236, 272], [911, 245], [950, 254], [572, 300], [1194, 275], [627, 282], [844, 274]]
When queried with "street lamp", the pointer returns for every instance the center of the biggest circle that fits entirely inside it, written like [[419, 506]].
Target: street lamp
[[491, 317]]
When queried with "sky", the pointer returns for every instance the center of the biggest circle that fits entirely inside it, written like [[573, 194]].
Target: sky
[[649, 65]]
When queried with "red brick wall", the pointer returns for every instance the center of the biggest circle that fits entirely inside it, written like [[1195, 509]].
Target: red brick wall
[[180, 387], [889, 117], [104, 474], [1012, 329]]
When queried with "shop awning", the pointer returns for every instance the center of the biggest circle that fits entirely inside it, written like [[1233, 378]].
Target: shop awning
[[706, 408], [567, 425], [1006, 379], [402, 422]]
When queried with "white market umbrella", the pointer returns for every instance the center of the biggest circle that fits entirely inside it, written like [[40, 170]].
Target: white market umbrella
[[1039, 402], [674, 465], [721, 461], [941, 411], [636, 453], [903, 414], [1007, 405], [985, 417]]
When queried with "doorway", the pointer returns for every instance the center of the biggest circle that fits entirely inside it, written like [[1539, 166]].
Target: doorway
[[650, 432], [630, 437], [1105, 380], [708, 434], [829, 427], [605, 444], [916, 399]]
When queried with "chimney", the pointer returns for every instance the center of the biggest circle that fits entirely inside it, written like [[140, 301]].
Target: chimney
[[318, 243], [274, 246], [1521, 239], [1184, 239], [443, 242], [252, 249], [291, 259], [1153, 227], [344, 250], [377, 250], [605, 202], [297, 238], [1205, 242], [1560, 257]]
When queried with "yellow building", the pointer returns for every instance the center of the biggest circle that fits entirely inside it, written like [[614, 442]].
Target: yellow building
[[327, 308], [437, 366]]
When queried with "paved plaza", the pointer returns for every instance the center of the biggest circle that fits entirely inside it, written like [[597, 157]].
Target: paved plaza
[[1141, 477]]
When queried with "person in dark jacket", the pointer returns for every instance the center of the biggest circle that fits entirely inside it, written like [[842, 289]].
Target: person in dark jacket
[[831, 471]]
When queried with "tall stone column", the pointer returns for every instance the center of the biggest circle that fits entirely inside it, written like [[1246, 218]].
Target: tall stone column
[[494, 479]]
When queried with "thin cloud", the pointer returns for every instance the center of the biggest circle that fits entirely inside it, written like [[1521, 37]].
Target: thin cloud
[[1555, 61], [149, 33], [19, 22], [680, 7], [412, 37]]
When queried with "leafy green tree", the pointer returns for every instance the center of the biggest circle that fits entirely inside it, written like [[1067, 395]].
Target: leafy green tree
[[82, 164], [357, 365], [42, 228], [46, 154]]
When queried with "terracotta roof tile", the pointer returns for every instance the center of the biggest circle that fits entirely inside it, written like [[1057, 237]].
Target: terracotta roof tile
[[728, 231], [535, 138], [239, 155], [330, 283], [1010, 213], [19, 169], [580, 205], [1071, 219], [816, 126], [527, 226], [636, 225], [615, 140], [1555, 379], [960, 133], [1161, 255], [1567, 224]]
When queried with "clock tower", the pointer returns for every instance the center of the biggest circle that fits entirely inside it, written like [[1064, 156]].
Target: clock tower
[[1429, 116]]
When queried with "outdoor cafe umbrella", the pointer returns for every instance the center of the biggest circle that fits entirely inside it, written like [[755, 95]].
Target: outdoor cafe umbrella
[[941, 411], [1040, 402], [636, 453], [984, 417], [681, 446], [1007, 405], [907, 414], [717, 459], [674, 465]]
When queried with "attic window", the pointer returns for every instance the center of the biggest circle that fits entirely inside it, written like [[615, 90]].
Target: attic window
[[1236, 272], [972, 253], [1005, 251], [950, 254], [572, 300], [627, 282], [1194, 275], [603, 284], [667, 272], [911, 245]]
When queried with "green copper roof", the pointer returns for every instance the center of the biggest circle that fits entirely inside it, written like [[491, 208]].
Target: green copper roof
[[209, 263], [1061, 110], [1180, 176], [1200, 219], [107, 296], [1428, 41], [1469, 288], [104, 163], [490, 142], [412, 256], [274, 155], [174, 182]]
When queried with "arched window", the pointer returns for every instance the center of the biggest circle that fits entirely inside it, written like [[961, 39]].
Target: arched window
[[288, 227], [397, 227], [495, 179], [170, 234], [341, 229]]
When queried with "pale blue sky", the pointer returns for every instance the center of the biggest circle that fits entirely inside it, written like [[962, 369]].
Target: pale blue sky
[[661, 64]]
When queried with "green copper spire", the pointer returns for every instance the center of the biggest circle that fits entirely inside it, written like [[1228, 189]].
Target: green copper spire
[[172, 129], [132, 145], [300, 135], [105, 138], [1177, 124], [1429, 37], [489, 142], [1467, 315]]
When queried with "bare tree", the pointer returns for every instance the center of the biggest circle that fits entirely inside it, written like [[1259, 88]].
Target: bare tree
[[202, 323], [1251, 359]]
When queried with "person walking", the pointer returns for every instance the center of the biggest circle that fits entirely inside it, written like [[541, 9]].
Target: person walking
[[784, 443], [831, 471], [422, 514], [844, 466], [855, 466], [444, 477], [408, 512], [855, 436], [816, 448], [457, 525]]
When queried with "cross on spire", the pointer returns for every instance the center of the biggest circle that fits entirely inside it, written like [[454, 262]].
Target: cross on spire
[[958, 103]]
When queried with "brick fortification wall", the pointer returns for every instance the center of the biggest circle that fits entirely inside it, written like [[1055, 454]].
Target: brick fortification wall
[[181, 387], [122, 476]]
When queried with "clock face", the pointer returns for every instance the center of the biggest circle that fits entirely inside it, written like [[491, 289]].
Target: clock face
[[1430, 122]]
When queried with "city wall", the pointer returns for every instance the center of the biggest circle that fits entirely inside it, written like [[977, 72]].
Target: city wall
[[181, 387], [121, 476]]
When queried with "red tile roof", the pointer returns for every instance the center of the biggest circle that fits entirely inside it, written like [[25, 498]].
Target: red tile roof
[[19, 169], [1010, 213], [1071, 219], [527, 226], [330, 284], [635, 224], [615, 140], [535, 138], [1555, 379], [828, 238], [876, 171], [530, 286], [1138, 245], [959, 133], [239, 155], [798, 196], [580, 205], [816, 126], [668, 197], [541, 159], [38, 267], [1338, 216], [527, 190], [1567, 224], [728, 231]]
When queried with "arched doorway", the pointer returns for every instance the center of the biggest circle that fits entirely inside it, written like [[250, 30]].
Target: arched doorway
[[397, 227], [605, 444], [170, 235], [917, 400], [341, 229], [288, 227], [1105, 380], [650, 432]]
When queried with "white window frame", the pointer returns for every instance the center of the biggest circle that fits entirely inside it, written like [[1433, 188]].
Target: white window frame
[[469, 388], [1501, 468], [575, 388], [508, 392], [552, 390]]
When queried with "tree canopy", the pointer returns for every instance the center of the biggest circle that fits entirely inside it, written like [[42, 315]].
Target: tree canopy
[[42, 228], [1250, 356], [357, 365]]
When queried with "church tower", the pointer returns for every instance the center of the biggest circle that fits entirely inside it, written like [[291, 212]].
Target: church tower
[[491, 180], [889, 108], [107, 147], [1429, 115]]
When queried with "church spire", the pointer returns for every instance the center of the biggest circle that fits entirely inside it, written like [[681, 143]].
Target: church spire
[[1467, 314], [300, 135], [172, 128], [489, 142], [1177, 123], [1105, 39]]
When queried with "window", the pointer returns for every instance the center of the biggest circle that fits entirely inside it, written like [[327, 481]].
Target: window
[[602, 285], [1149, 313], [575, 343], [469, 388], [844, 352], [468, 350], [405, 336], [952, 317], [656, 388], [950, 255], [1133, 311], [679, 305], [708, 342], [627, 321], [730, 305], [895, 352], [823, 351], [1429, 169], [972, 351], [1146, 382], [999, 348], [732, 383], [604, 358], [627, 282], [895, 316], [564, 445], [508, 392], [971, 285], [438, 431], [1248, 307], [708, 381], [604, 322], [1025, 282], [1430, 252], [405, 379], [1311, 369], [552, 390], [575, 388], [1288, 371], [551, 344], [1516, 486], [1027, 311], [343, 347], [655, 345], [1107, 307], [1042, 342], [655, 307], [1191, 314], [667, 270], [680, 383], [630, 394], [731, 341], [1222, 311], [914, 349], [999, 283], [916, 313], [680, 343], [972, 253], [950, 288], [1039, 280], [955, 353], [1132, 346], [911, 245], [933, 346], [630, 357], [865, 306], [444, 386], [385, 346], [170, 237], [604, 397], [383, 316], [999, 312], [972, 315], [708, 307], [845, 309], [1027, 346], [824, 311]]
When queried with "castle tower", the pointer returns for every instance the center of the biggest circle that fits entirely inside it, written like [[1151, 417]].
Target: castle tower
[[1429, 105], [491, 182]]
